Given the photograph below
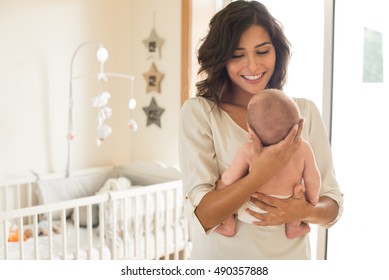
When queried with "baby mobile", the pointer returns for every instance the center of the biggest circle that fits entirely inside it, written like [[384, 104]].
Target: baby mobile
[[153, 78], [100, 101]]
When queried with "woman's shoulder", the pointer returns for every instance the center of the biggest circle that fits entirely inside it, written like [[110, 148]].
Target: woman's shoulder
[[307, 107], [304, 103], [197, 108], [197, 101]]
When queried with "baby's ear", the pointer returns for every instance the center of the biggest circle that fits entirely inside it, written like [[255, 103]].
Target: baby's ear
[[254, 137], [251, 132]]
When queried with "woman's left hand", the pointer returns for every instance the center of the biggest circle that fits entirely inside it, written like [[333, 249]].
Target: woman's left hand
[[281, 211]]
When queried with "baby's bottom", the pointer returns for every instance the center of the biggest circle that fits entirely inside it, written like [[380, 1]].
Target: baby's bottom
[[245, 217]]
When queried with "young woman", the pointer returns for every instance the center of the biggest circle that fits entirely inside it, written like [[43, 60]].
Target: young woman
[[245, 52]]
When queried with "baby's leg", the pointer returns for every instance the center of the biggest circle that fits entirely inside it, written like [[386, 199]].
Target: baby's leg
[[296, 229], [228, 227]]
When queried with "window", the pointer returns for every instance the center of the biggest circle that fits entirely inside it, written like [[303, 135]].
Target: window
[[359, 130]]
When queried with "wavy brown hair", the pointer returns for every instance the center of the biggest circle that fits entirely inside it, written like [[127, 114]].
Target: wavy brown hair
[[225, 30]]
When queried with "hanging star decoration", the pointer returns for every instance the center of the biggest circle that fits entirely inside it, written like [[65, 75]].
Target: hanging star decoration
[[153, 79], [153, 45], [153, 113]]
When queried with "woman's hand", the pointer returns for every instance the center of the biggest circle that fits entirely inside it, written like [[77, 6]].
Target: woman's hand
[[281, 211], [269, 160]]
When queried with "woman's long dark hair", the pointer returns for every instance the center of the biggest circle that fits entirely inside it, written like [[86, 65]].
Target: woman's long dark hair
[[225, 30]]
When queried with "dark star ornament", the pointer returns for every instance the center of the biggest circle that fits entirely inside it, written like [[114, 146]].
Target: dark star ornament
[[153, 113]]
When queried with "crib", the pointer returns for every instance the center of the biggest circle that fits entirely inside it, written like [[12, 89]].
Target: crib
[[116, 212]]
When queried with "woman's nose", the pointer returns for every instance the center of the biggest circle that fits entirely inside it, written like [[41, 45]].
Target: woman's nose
[[252, 62]]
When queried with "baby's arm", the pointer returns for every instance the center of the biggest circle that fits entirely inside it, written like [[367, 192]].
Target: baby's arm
[[239, 166], [311, 175]]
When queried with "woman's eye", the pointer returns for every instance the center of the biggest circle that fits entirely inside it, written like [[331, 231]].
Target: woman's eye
[[237, 55], [262, 52]]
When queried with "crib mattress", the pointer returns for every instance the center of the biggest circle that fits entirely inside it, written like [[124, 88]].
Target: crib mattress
[[136, 248]]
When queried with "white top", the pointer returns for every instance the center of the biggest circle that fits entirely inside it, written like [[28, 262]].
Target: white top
[[208, 142]]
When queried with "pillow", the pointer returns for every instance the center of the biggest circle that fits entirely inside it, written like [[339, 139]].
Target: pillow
[[112, 184], [148, 173], [55, 190], [115, 184]]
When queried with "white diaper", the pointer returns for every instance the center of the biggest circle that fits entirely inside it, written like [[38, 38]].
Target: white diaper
[[245, 217]]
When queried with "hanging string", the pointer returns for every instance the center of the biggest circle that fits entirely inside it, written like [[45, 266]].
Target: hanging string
[[132, 125]]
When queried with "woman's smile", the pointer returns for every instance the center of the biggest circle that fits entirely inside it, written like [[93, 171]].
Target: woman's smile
[[253, 78]]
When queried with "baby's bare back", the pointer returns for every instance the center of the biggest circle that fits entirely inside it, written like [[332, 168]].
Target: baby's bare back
[[286, 179]]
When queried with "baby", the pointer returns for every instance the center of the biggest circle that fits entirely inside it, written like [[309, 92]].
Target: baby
[[271, 114]]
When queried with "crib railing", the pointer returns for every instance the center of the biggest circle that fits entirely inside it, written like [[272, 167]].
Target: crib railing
[[18, 216], [29, 215], [17, 193], [160, 192]]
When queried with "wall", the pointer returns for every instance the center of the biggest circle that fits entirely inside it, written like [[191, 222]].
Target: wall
[[152, 142], [38, 38]]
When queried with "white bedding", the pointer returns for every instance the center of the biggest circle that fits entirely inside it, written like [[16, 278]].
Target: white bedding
[[136, 246], [44, 248]]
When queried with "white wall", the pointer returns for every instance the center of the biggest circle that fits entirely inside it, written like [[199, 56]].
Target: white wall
[[152, 142], [38, 38]]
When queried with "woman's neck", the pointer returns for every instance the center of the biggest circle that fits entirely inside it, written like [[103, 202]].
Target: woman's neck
[[237, 97]]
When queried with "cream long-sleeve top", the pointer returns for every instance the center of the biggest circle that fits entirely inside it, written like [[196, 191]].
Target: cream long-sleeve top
[[208, 142]]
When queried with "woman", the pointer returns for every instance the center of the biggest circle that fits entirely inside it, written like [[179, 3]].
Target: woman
[[245, 52]]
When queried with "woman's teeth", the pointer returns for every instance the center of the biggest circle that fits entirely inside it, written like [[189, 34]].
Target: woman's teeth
[[252, 77]]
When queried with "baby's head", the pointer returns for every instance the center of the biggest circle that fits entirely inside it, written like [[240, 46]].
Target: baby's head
[[272, 114]]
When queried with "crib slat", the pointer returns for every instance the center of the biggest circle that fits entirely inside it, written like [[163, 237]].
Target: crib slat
[[36, 237], [50, 234], [77, 232], [6, 195], [21, 235], [146, 226], [156, 225], [177, 222], [89, 230], [101, 229], [29, 199], [64, 234], [136, 223], [18, 197], [167, 225], [114, 228], [5, 234], [125, 227]]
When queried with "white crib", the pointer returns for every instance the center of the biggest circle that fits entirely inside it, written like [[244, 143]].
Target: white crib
[[144, 220]]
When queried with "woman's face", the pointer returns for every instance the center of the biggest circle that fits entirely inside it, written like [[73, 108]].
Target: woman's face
[[252, 63]]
